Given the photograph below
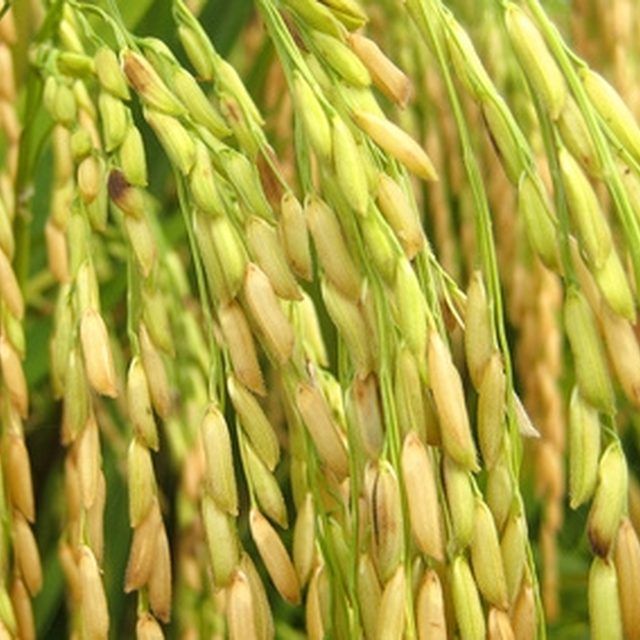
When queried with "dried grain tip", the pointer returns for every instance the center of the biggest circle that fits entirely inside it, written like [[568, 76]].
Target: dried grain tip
[[448, 395], [242, 349], [466, 601], [144, 79], [94, 603], [219, 470], [627, 563], [584, 449], [332, 248], [147, 628], [125, 196], [605, 617], [422, 497], [324, 432], [275, 557], [610, 500], [389, 78], [431, 621], [391, 615], [267, 313], [97, 354], [397, 143], [499, 625], [255, 423]]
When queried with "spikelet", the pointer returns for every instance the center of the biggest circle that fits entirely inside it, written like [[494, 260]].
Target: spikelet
[[9, 289], [97, 353], [242, 349], [448, 395], [410, 308], [222, 541], [304, 540], [266, 488], [26, 554], [523, 614], [534, 208], [367, 414], [590, 365], [219, 470], [341, 59], [143, 78], [422, 497], [314, 118], [397, 143], [94, 603], [13, 376], [349, 166], [486, 558], [536, 61], [410, 401], [576, 137], [175, 139], [143, 553], [386, 513], [350, 322], [17, 469], [385, 74], [160, 581], [610, 500], [265, 247], [369, 595], [139, 405], [391, 615], [585, 211], [613, 283], [466, 600], [513, 547], [142, 483], [478, 332], [275, 557], [627, 563], [110, 75], [255, 423], [431, 620], [399, 213], [491, 410], [267, 313], [147, 628], [240, 610], [612, 109], [295, 236], [584, 449], [605, 617], [332, 248], [161, 393], [323, 430], [459, 492]]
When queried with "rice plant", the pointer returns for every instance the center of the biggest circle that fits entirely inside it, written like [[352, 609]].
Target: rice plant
[[318, 319]]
